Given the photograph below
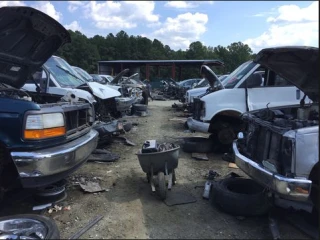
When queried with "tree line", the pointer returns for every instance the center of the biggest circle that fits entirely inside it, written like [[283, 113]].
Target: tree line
[[85, 52]]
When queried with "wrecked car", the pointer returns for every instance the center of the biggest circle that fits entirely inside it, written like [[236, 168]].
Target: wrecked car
[[244, 90], [63, 81], [130, 87], [42, 139], [279, 146], [189, 83]]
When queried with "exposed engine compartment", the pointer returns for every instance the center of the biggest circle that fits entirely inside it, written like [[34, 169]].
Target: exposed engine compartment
[[264, 137], [290, 118]]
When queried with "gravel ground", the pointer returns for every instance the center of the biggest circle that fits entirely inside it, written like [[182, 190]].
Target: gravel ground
[[131, 211]]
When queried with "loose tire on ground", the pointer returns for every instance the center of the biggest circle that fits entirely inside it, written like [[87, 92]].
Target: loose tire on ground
[[139, 107], [162, 186], [240, 197], [52, 229], [198, 145]]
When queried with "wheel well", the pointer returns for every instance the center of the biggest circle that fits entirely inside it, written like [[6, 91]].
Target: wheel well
[[231, 117]]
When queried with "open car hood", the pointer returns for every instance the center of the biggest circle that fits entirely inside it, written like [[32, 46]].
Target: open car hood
[[119, 76], [298, 65], [208, 74], [28, 39]]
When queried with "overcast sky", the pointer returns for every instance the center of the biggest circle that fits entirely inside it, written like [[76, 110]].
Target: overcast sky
[[260, 24]]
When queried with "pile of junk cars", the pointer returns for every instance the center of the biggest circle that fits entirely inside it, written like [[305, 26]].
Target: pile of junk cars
[[52, 117], [265, 117]]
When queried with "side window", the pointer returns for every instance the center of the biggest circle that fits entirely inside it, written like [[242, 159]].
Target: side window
[[51, 84], [279, 81]]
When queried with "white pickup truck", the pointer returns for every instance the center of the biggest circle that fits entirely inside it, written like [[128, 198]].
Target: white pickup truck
[[245, 89]]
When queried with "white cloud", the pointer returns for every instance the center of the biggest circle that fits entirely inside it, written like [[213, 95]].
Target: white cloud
[[74, 26], [292, 26], [120, 14], [179, 32], [185, 4], [48, 9], [74, 5], [11, 3]]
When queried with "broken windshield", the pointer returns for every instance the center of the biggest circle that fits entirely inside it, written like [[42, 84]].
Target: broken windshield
[[237, 75], [62, 73]]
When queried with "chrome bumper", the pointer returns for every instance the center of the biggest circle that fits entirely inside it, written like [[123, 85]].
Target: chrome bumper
[[290, 188], [55, 160], [197, 125]]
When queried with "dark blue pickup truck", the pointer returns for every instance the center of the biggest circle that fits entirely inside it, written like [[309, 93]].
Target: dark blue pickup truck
[[42, 138]]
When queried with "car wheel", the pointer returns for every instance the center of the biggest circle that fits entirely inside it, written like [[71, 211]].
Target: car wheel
[[28, 226], [240, 197], [197, 144], [140, 107]]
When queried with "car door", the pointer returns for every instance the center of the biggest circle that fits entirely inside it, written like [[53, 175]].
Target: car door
[[275, 91]]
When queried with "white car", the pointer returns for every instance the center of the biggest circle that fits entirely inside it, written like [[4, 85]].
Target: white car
[[64, 81], [243, 90]]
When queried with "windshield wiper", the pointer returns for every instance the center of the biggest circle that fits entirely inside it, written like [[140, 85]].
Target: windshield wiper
[[67, 71]]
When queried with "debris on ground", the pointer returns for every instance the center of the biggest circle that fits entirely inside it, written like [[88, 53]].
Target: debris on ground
[[92, 187], [56, 208], [165, 147], [101, 155], [183, 120], [232, 165], [200, 156], [124, 140], [86, 228]]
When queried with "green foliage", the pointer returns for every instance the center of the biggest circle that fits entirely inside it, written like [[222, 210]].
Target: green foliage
[[86, 52]]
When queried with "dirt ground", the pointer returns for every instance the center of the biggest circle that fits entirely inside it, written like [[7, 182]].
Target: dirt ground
[[131, 211]]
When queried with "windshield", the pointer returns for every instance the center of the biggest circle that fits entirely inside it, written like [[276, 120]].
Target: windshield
[[238, 74], [80, 74], [84, 73], [96, 77], [203, 83], [63, 73]]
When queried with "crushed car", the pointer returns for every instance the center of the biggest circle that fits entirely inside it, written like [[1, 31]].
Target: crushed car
[[41, 142], [279, 146], [243, 90]]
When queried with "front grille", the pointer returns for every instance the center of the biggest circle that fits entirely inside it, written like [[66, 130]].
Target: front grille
[[197, 107], [262, 143], [76, 120]]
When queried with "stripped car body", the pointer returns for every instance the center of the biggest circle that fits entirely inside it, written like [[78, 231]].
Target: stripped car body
[[279, 147], [43, 138]]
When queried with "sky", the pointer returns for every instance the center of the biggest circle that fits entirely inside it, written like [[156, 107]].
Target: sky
[[259, 24]]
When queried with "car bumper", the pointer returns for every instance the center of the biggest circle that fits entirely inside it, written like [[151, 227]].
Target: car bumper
[[124, 104], [197, 125], [43, 167], [290, 188]]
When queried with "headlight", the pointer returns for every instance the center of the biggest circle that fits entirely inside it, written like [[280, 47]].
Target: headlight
[[42, 126]]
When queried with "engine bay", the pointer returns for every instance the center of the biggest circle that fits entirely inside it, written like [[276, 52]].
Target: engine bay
[[292, 118]]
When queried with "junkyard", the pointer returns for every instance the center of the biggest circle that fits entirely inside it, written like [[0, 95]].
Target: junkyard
[[108, 155]]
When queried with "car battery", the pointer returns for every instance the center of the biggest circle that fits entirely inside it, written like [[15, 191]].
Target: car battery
[[149, 146]]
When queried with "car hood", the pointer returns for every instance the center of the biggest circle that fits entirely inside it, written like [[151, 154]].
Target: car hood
[[207, 73], [119, 76], [28, 39], [298, 65], [103, 91]]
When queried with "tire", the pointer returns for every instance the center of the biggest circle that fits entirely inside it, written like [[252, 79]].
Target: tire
[[240, 197], [162, 191], [198, 145], [140, 107], [127, 126], [48, 223]]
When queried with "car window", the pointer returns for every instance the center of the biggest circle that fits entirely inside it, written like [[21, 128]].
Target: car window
[[238, 74], [280, 81]]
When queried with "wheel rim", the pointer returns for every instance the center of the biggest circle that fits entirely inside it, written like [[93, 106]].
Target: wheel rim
[[22, 228]]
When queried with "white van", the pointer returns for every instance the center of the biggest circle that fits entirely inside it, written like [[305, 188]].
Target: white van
[[245, 89]]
